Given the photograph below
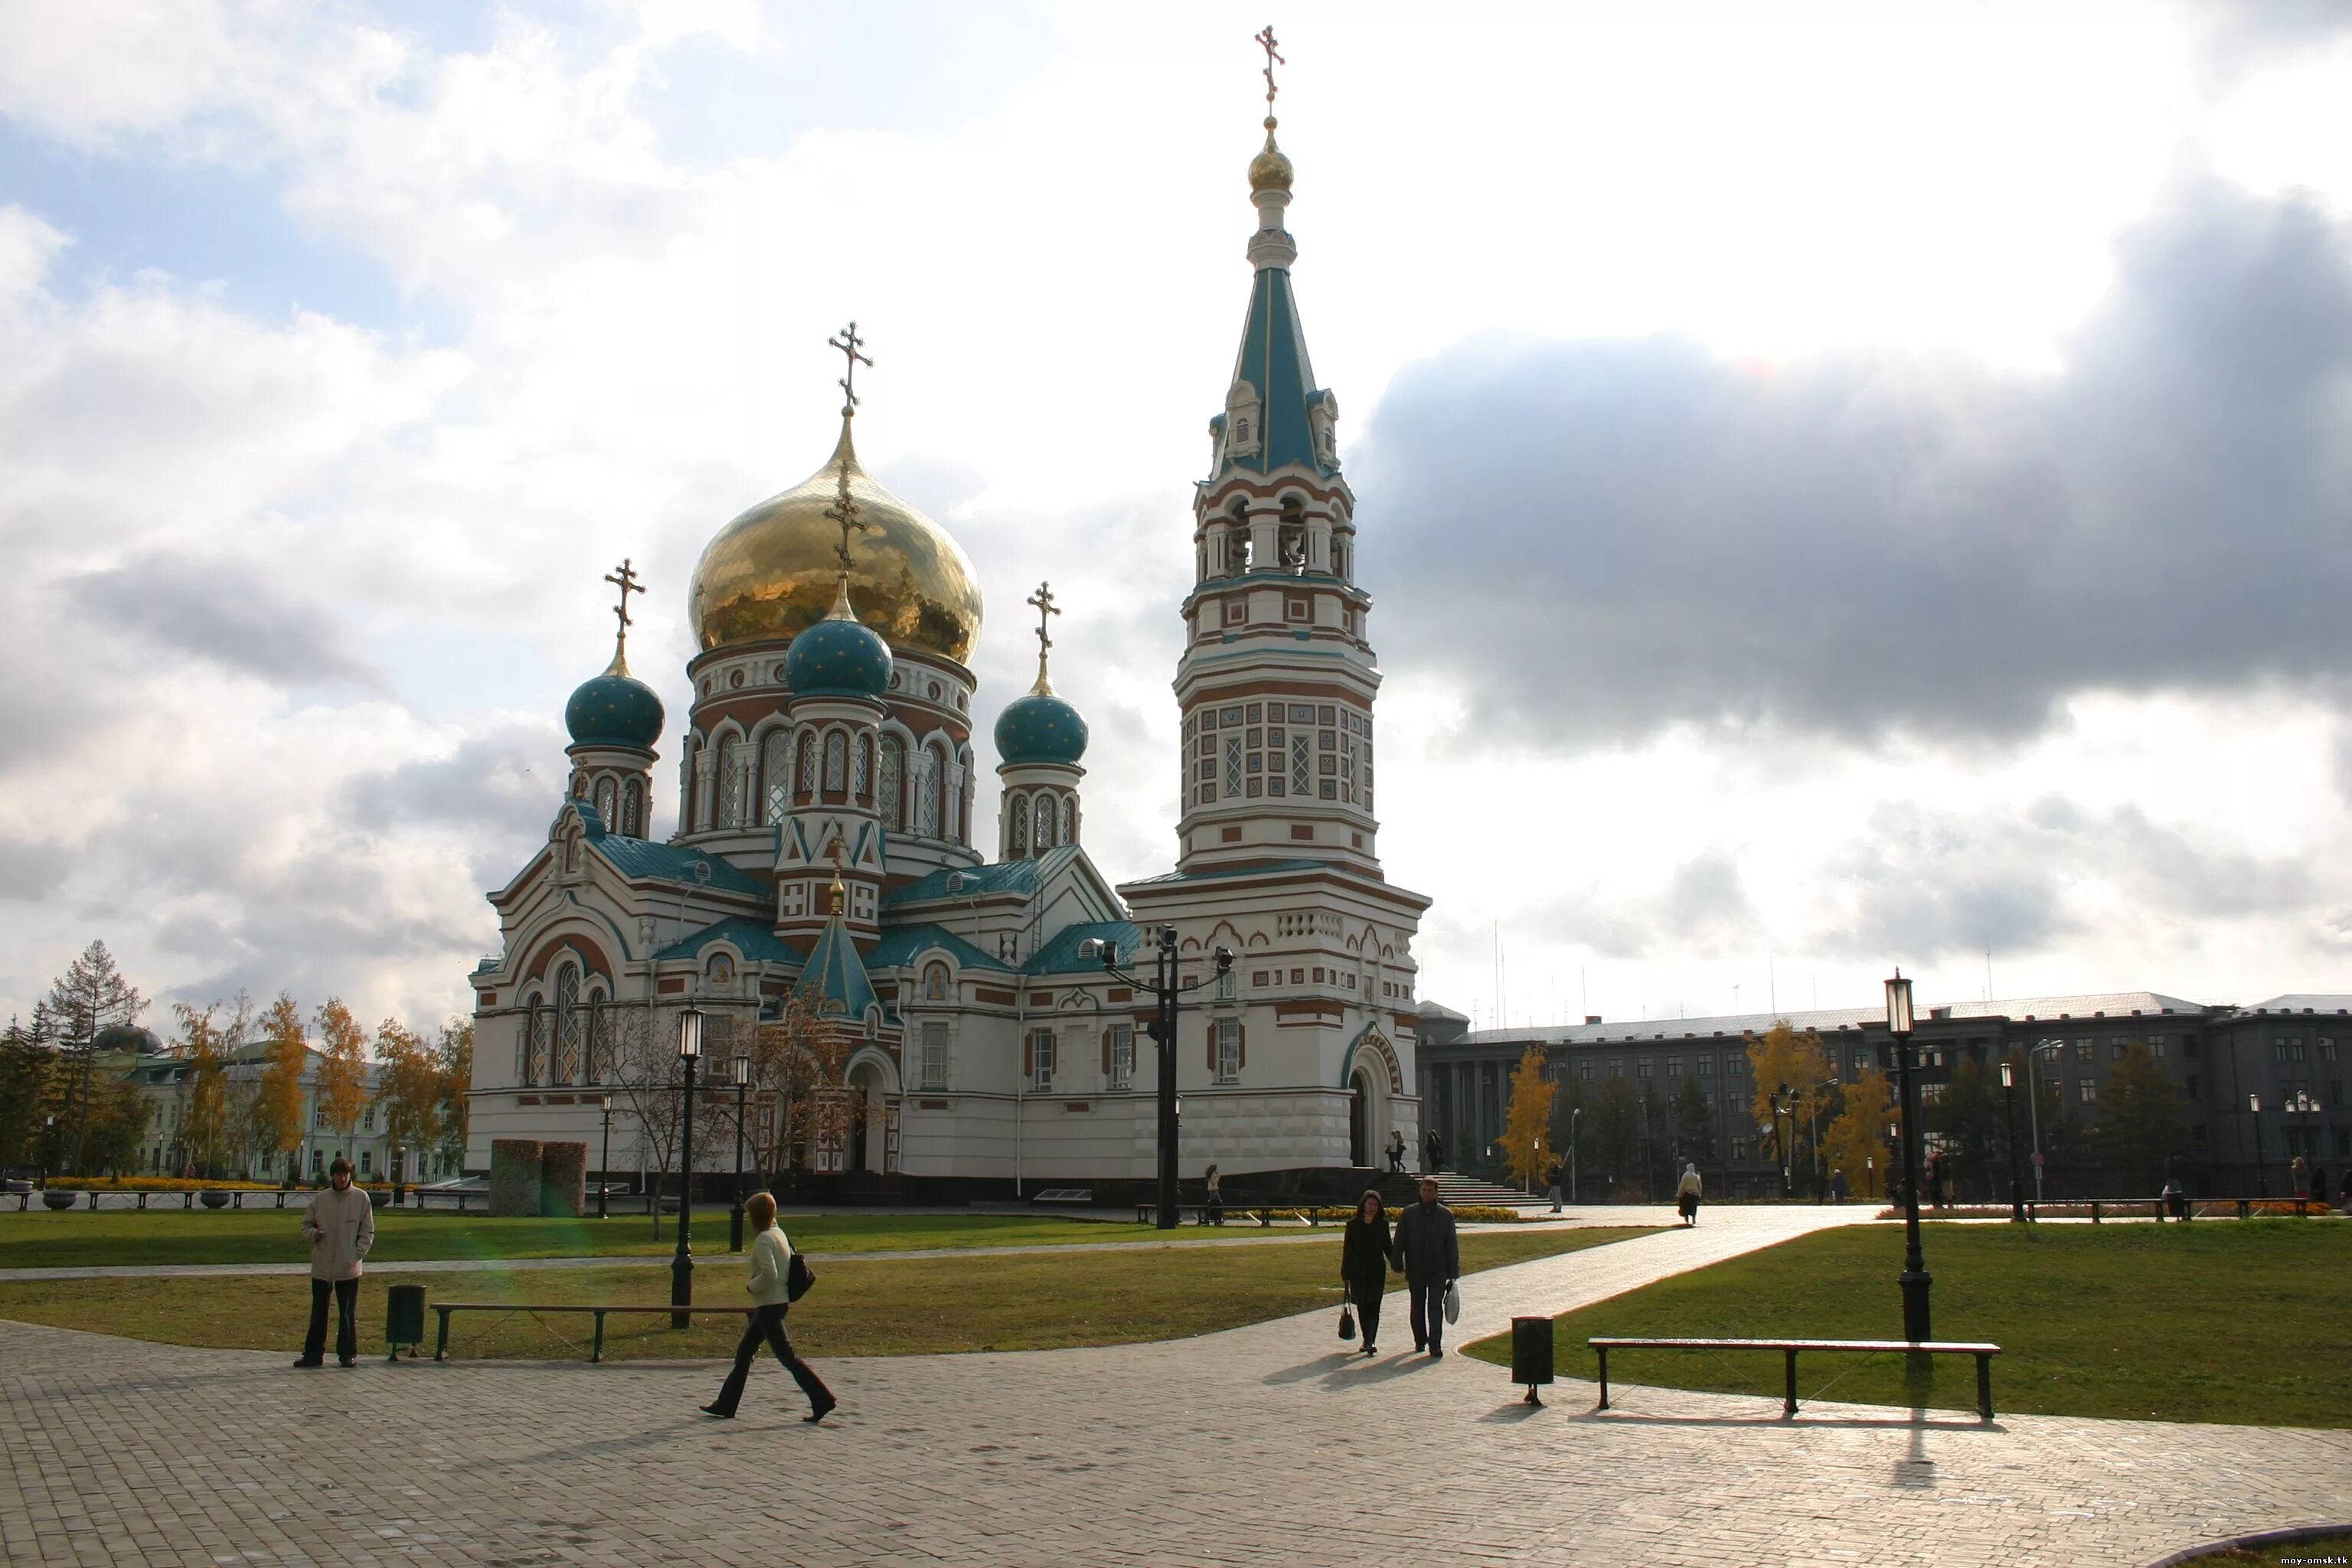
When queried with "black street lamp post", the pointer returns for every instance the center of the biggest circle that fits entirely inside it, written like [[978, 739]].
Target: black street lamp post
[[1575, 1113], [681, 1266], [1165, 989], [2016, 1183], [1915, 1279], [741, 1068], [1784, 1104], [2262, 1166], [399, 1169], [604, 1172]]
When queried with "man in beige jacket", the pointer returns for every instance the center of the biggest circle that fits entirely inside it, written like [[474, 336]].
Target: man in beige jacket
[[340, 1226]]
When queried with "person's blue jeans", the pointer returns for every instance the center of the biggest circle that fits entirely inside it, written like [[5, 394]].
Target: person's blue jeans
[[346, 1293], [768, 1324], [1428, 1298]]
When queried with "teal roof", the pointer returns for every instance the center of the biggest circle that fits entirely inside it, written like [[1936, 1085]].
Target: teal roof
[[834, 977], [752, 939], [903, 945], [1060, 956], [1005, 877], [1273, 359], [614, 709], [640, 859], [1040, 728]]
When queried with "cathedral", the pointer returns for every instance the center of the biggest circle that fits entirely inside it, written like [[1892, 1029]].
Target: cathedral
[[826, 859]]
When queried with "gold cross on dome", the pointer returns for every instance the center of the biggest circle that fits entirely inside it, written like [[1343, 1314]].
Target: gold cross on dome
[[625, 577], [1265, 41], [1043, 600], [849, 344], [843, 511]]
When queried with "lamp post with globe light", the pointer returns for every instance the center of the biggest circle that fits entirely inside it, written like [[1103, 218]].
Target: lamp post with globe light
[[681, 1264], [1915, 1279]]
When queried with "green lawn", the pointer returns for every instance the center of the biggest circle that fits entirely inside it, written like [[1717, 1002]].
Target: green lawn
[[2227, 1320], [889, 1306], [2315, 1550], [42, 1238]]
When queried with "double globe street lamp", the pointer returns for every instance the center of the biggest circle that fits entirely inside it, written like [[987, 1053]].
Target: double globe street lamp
[[1165, 989]]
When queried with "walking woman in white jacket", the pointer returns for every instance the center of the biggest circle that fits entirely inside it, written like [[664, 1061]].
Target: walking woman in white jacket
[[772, 1259]]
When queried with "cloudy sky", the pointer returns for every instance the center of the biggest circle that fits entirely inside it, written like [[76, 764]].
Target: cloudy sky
[[1842, 484]]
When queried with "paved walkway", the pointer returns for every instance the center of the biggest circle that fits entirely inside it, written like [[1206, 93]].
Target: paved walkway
[[1262, 1445]]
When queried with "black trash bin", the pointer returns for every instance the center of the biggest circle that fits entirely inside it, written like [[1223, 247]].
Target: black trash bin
[[403, 1319], [1531, 1353]]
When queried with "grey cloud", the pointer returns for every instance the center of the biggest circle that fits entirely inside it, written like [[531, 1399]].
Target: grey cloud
[[1607, 539], [31, 870], [224, 612], [1702, 910], [2230, 41], [507, 781]]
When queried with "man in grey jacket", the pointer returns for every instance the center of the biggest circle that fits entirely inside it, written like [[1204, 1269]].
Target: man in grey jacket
[[340, 1226], [1430, 1252]]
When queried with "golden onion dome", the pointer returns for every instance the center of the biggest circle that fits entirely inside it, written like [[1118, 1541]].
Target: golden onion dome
[[771, 573], [1270, 170]]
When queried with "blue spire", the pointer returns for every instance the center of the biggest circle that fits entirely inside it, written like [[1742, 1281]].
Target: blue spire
[[834, 982]]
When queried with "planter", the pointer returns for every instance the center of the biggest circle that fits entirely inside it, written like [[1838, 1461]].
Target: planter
[[378, 1197], [213, 1200], [59, 1200]]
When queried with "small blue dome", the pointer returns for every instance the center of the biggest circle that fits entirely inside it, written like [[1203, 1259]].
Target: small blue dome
[[1040, 728], [616, 708], [838, 659]]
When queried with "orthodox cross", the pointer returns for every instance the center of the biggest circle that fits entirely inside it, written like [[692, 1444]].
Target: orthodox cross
[[1265, 41], [1044, 599], [849, 344], [624, 578]]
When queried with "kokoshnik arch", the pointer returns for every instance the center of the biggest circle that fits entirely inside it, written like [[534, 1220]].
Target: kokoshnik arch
[[827, 848]]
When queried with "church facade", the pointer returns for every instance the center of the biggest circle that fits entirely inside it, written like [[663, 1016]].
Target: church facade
[[828, 863]]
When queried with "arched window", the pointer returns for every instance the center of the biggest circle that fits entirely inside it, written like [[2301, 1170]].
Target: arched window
[[1044, 835], [835, 763], [861, 778], [775, 777], [890, 797], [608, 799], [805, 776], [935, 982], [596, 1032], [688, 820], [633, 809], [1069, 834], [567, 1025], [951, 796], [927, 793], [535, 1062], [731, 783], [1016, 819]]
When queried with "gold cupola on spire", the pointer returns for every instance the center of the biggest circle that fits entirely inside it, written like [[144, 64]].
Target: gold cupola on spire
[[774, 572]]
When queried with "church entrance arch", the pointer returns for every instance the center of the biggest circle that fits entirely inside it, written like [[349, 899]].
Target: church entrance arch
[[870, 1112], [1360, 1119]]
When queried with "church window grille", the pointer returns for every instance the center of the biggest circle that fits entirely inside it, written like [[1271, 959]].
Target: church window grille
[[861, 778], [953, 794], [1016, 817], [935, 1057], [1041, 1059], [1069, 834], [597, 1033], [1229, 1050], [1044, 838], [927, 793], [776, 777], [804, 773], [607, 801], [1298, 770], [567, 1025], [1122, 1055], [731, 783], [535, 1042], [836, 752], [1232, 764], [891, 800], [633, 810]]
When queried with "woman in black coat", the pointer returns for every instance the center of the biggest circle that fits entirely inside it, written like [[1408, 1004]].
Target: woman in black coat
[[1364, 1264]]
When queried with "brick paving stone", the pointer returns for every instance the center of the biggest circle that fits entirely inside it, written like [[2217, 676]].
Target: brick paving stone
[[1262, 1445]]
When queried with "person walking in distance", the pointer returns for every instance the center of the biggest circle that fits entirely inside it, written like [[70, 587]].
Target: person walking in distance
[[1213, 1210], [1837, 1187], [1432, 1154], [1429, 1250], [771, 1272], [340, 1226], [1552, 1185], [1686, 1195], [1396, 1151], [1365, 1259]]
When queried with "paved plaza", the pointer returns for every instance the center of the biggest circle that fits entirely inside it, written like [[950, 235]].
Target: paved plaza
[[1262, 1445]]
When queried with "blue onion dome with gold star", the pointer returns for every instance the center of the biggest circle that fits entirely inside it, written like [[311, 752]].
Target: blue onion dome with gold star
[[838, 657], [1040, 728], [615, 709]]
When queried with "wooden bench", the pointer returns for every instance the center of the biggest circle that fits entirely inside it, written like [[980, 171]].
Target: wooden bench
[[1788, 1348], [596, 1353]]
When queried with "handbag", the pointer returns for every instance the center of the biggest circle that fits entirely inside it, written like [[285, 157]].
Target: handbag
[[1454, 1303], [1347, 1322], [798, 1276]]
